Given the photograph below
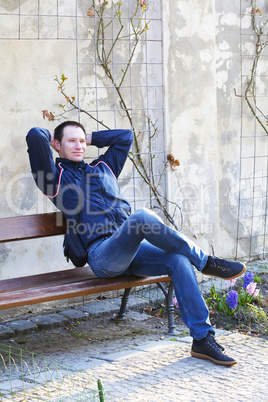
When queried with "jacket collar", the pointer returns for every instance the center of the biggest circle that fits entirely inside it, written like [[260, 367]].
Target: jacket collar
[[65, 161]]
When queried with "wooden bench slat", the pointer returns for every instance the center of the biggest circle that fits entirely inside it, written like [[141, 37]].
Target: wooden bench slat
[[57, 291], [66, 276], [31, 226]]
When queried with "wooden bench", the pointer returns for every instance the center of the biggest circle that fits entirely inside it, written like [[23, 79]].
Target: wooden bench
[[65, 284]]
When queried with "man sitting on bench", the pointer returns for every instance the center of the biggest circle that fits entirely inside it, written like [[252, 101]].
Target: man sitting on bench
[[117, 241]]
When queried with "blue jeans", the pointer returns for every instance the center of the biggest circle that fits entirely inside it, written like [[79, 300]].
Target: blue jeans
[[144, 246]]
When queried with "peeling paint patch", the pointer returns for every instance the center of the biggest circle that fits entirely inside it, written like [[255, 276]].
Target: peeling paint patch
[[222, 78], [229, 19], [246, 20], [206, 56], [186, 60], [225, 55], [224, 45], [224, 59], [249, 48]]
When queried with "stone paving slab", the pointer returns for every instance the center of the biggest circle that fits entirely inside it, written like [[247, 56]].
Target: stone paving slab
[[22, 326], [74, 314], [112, 305], [6, 332], [49, 321], [165, 371]]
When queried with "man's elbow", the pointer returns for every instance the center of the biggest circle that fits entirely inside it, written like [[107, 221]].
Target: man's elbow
[[130, 136], [32, 132], [36, 132]]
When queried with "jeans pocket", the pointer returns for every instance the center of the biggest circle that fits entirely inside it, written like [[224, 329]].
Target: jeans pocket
[[93, 248]]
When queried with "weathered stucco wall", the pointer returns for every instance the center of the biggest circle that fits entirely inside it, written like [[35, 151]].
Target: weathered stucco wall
[[191, 108], [200, 54], [27, 71], [228, 120], [209, 49]]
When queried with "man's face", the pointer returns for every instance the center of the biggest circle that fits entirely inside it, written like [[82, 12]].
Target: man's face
[[73, 144]]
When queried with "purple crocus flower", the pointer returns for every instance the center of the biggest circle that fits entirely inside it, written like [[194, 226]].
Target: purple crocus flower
[[249, 277], [232, 299]]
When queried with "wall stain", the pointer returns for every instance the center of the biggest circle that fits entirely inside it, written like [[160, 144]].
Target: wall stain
[[11, 5], [4, 252]]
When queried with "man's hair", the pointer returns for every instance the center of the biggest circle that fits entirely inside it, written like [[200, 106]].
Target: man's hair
[[58, 132]]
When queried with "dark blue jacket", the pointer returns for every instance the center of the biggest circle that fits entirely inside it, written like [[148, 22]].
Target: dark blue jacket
[[103, 207]]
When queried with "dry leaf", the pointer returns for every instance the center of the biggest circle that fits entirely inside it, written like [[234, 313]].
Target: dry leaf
[[174, 163], [90, 13]]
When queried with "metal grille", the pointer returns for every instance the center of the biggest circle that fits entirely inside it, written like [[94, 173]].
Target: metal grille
[[252, 229], [142, 89]]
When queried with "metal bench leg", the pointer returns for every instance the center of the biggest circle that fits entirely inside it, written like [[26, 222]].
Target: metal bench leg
[[170, 307], [124, 301]]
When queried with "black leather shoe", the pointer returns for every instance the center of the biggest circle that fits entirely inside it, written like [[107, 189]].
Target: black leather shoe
[[207, 348], [225, 269]]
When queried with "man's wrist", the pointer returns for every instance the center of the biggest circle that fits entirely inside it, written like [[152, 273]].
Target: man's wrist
[[88, 139]]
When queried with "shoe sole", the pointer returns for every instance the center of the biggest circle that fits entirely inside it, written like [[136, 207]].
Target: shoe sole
[[229, 278], [219, 362]]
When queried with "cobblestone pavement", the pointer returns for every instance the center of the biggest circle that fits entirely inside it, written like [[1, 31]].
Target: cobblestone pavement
[[165, 371]]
